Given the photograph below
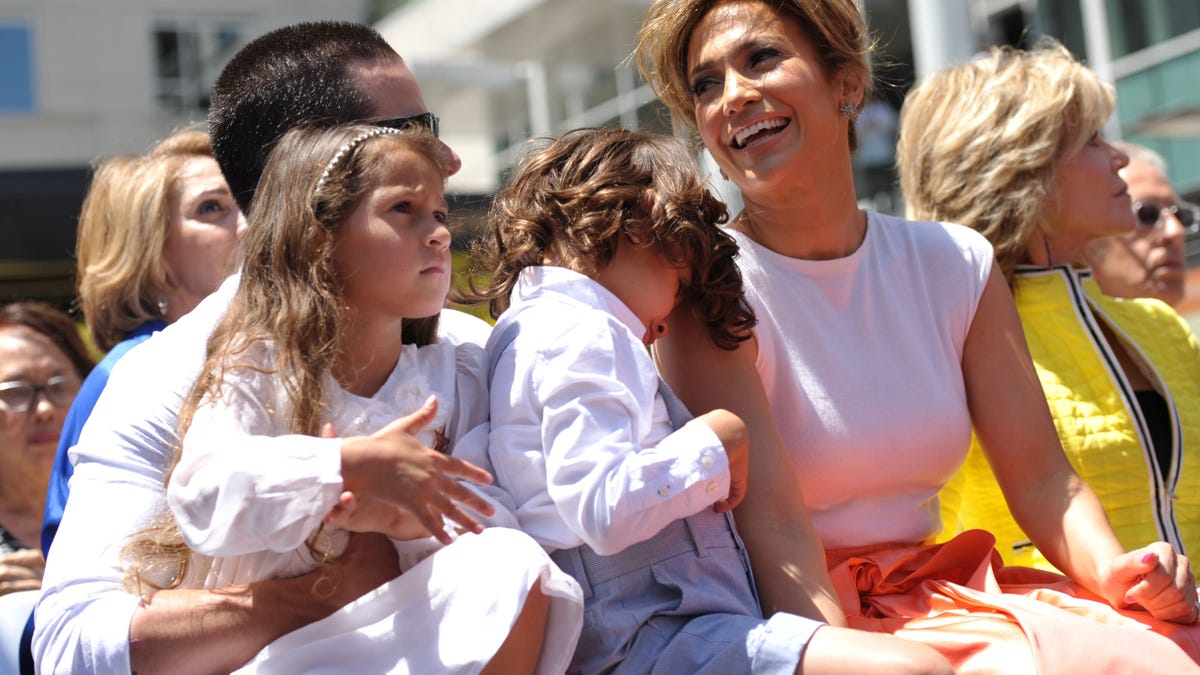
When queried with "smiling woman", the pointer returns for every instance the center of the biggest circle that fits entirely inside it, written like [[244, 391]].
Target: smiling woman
[[762, 95], [854, 434]]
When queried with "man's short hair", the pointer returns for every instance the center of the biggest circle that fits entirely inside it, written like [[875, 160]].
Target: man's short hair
[[291, 75]]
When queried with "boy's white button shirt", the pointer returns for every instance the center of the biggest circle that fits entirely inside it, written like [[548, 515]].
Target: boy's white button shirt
[[581, 438]]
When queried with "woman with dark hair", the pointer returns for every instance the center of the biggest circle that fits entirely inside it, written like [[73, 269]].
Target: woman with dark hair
[[42, 362]]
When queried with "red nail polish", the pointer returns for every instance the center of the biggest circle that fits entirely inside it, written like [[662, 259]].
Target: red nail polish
[[1147, 558]]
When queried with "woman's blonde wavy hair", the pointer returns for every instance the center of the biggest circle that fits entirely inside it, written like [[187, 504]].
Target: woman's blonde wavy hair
[[979, 142], [571, 199], [289, 295], [120, 272], [835, 27]]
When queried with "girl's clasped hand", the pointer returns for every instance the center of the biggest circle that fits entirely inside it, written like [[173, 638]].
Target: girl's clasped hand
[[396, 485]]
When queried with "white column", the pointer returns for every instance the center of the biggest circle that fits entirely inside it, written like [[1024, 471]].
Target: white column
[[1099, 52], [538, 97], [941, 34], [1095, 33]]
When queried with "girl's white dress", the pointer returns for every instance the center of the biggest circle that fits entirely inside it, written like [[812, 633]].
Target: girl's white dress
[[247, 496]]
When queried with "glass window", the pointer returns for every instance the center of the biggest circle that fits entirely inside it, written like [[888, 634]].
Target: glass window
[[1138, 24], [189, 54], [1063, 20], [16, 69]]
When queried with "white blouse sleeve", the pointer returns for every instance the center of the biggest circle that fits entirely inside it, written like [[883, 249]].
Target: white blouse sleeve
[[239, 488], [613, 485]]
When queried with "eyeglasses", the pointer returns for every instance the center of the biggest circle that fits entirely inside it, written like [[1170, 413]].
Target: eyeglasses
[[19, 396], [425, 120], [1151, 215]]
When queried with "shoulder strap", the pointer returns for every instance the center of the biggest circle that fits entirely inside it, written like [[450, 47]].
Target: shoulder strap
[[497, 344], [675, 408]]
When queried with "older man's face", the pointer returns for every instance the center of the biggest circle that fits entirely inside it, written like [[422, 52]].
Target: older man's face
[[1148, 262]]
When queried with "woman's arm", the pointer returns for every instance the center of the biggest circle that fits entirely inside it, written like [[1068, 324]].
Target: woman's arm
[[1050, 502], [787, 557]]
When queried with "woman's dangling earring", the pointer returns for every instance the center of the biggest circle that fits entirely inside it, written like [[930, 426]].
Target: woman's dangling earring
[[162, 306]]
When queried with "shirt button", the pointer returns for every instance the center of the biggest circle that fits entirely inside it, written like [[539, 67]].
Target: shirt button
[[712, 487], [706, 461], [664, 491]]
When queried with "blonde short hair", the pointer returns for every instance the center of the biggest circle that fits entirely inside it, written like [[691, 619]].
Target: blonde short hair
[[979, 142], [835, 27], [122, 231]]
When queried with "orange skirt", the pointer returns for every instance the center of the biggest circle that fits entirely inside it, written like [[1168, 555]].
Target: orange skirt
[[958, 598]]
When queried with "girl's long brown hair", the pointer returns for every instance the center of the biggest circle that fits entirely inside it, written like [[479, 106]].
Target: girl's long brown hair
[[289, 294]]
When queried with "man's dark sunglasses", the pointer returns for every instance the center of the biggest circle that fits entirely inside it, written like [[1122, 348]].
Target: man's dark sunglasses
[[1150, 215], [425, 121]]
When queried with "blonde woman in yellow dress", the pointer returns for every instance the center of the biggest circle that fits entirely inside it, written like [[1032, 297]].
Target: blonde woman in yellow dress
[[1019, 156]]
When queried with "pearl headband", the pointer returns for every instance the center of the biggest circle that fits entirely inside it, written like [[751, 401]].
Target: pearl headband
[[345, 149]]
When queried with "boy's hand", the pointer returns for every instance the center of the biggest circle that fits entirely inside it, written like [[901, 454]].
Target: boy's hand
[[736, 438], [392, 466]]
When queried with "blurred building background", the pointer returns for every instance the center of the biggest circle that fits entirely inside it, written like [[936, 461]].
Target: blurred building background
[[80, 80]]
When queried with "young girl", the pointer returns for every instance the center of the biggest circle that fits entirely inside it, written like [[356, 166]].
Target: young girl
[[346, 267], [596, 240]]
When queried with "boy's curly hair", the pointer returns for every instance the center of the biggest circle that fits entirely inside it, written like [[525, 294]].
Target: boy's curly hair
[[570, 199]]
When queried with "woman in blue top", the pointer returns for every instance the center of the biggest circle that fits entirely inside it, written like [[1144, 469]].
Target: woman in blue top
[[156, 235]]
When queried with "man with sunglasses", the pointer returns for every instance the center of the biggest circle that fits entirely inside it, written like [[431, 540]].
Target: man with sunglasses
[[317, 73], [1148, 262]]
